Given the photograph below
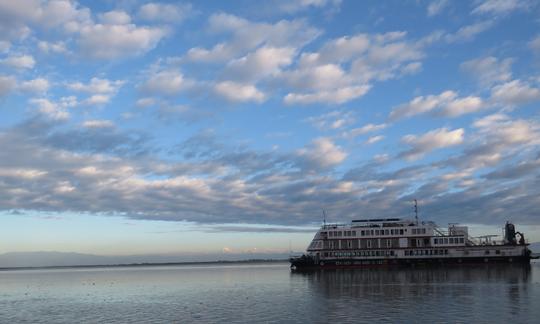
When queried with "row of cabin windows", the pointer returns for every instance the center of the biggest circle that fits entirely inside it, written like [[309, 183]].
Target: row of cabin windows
[[426, 252], [376, 232], [359, 253], [449, 240], [334, 244]]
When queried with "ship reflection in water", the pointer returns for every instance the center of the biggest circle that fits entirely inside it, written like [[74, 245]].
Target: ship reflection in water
[[494, 293]]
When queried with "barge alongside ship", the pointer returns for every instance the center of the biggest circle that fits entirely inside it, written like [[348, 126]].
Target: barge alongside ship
[[400, 242]]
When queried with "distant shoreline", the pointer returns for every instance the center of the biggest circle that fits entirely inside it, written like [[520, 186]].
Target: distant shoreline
[[144, 264]]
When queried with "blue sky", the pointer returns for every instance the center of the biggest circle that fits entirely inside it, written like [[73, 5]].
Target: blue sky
[[169, 127]]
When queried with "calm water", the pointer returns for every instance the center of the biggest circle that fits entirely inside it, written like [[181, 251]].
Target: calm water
[[270, 293]]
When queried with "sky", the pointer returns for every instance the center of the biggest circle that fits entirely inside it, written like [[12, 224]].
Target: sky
[[136, 127]]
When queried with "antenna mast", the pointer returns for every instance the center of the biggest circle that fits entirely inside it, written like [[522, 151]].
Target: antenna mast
[[324, 217], [416, 211]]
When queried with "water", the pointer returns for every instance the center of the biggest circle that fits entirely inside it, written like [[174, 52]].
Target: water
[[270, 293]]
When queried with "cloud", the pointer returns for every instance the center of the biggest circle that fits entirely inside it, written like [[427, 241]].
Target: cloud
[[432, 140], [104, 41], [333, 120], [97, 123], [534, 44], [97, 85], [344, 68], [501, 6], [469, 32], [50, 109], [374, 139], [446, 103], [322, 153], [7, 84], [38, 85], [52, 47], [337, 96], [368, 128], [294, 6], [19, 61], [164, 12], [514, 93], [488, 70], [238, 92], [436, 7], [166, 82], [265, 61], [115, 17], [247, 35]]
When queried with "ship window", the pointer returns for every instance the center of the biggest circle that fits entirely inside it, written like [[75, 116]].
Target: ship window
[[435, 241], [392, 253], [414, 231], [406, 252], [445, 241], [386, 232], [362, 233], [372, 233], [461, 240], [487, 251], [339, 233], [377, 232], [451, 240], [353, 233], [445, 251], [497, 251], [349, 244], [400, 232], [388, 243], [369, 244]]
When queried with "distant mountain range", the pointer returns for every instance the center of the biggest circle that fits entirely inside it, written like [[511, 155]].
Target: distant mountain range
[[52, 259]]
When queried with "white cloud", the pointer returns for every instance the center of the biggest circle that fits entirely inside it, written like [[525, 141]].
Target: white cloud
[[7, 84], [422, 104], [145, 102], [374, 139], [514, 93], [432, 140], [97, 99], [534, 44], [436, 7], [263, 62], [501, 6], [343, 68], [368, 128], [247, 35], [51, 109], [461, 106], [97, 85], [469, 32], [98, 123], [166, 82], [20, 61], [4, 46], [293, 6], [239, 92], [163, 12], [336, 96], [322, 153], [488, 70], [50, 47], [446, 104], [101, 41], [39, 85], [333, 120], [115, 17]]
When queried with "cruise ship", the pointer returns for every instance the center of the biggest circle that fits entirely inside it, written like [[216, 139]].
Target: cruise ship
[[402, 242]]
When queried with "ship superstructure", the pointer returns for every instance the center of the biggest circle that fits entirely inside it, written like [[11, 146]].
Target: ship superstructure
[[395, 241]]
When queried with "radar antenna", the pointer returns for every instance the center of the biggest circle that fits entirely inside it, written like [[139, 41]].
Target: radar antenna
[[416, 211]]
